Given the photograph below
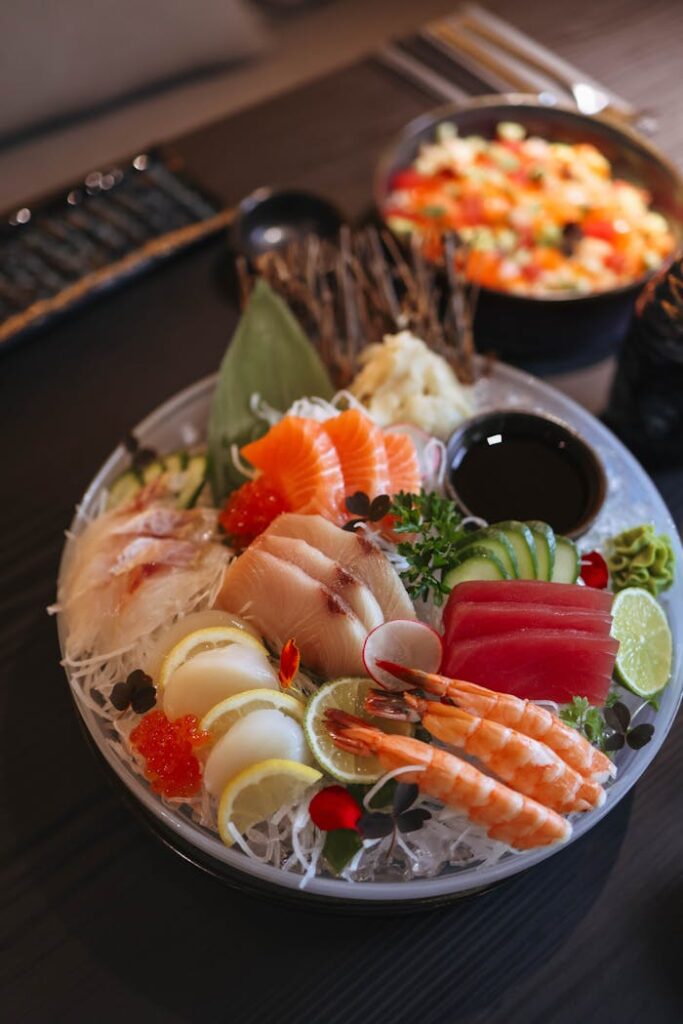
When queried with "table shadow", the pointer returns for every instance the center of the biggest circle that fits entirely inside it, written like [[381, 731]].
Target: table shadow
[[166, 939]]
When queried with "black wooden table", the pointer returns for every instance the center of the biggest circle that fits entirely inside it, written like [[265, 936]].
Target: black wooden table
[[98, 921]]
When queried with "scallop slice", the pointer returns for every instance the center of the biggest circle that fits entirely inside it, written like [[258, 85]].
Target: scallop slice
[[211, 676], [258, 736], [357, 595]]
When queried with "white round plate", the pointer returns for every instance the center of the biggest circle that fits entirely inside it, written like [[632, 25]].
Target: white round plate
[[632, 498]]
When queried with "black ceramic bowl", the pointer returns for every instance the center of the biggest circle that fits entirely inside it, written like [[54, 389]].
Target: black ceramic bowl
[[563, 331], [272, 219], [562, 481]]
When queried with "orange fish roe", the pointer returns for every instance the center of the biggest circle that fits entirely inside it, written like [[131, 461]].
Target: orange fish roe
[[167, 747], [250, 509]]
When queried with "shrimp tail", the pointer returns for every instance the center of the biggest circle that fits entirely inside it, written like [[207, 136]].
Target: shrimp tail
[[396, 706], [350, 733], [416, 677]]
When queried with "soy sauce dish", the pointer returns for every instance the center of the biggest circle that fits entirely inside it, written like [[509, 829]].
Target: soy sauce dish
[[522, 466]]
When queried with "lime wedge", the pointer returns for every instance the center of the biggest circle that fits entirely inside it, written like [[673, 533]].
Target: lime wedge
[[645, 646], [347, 695]]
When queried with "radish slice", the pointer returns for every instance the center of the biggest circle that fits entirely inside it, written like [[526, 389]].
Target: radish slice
[[405, 641]]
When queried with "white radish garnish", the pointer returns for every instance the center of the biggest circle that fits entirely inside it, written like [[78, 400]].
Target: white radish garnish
[[182, 628], [211, 676], [258, 736], [404, 642]]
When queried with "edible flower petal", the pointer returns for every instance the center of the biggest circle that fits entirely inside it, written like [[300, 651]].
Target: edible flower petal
[[290, 659]]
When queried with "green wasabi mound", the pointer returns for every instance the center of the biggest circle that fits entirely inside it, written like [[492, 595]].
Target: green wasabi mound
[[641, 558]]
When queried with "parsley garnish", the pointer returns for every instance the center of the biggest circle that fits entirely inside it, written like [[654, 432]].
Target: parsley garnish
[[586, 718], [435, 525]]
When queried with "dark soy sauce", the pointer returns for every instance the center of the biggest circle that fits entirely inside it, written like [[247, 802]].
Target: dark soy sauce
[[505, 475]]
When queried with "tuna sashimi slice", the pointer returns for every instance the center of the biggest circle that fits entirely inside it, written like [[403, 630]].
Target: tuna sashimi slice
[[536, 664], [356, 553], [566, 595], [470, 620], [284, 603], [357, 595]]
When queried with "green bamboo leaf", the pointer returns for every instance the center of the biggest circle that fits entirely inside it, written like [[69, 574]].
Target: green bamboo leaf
[[269, 355]]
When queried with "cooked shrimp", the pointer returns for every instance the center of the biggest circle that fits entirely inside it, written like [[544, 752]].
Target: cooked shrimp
[[527, 765], [534, 721], [507, 816]]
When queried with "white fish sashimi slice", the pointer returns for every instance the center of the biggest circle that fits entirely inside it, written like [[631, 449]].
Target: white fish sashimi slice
[[357, 595], [284, 602], [356, 553], [111, 616]]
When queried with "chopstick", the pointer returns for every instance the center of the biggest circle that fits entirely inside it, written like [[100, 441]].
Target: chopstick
[[393, 57]]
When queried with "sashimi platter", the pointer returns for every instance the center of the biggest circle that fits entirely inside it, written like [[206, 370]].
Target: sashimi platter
[[317, 668]]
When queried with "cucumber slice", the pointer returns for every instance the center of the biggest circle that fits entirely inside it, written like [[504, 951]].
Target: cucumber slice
[[123, 489], [522, 540], [195, 479], [176, 462], [497, 543], [153, 471], [567, 561], [475, 563], [544, 536]]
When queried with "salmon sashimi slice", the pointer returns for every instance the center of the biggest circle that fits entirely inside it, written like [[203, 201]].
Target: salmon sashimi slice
[[537, 664], [299, 459], [470, 620], [356, 553], [357, 595], [404, 468], [567, 595], [283, 602], [360, 446]]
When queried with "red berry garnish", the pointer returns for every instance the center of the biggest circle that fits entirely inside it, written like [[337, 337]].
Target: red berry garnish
[[333, 808], [594, 571], [167, 748], [250, 509]]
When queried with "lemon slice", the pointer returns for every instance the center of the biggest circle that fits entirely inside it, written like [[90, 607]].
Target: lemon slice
[[645, 647], [347, 695], [224, 715], [259, 791], [183, 627], [204, 640]]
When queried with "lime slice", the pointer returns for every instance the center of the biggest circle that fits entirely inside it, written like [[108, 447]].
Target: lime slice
[[204, 640], [222, 716], [645, 646], [259, 791], [347, 695]]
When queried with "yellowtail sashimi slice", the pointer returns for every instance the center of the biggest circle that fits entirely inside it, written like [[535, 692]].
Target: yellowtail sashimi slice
[[357, 595], [402, 641], [356, 553], [285, 603]]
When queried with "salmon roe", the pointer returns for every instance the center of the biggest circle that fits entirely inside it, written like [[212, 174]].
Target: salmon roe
[[250, 509], [167, 747]]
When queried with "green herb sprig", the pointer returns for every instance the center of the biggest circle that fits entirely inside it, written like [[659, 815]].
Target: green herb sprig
[[586, 719], [435, 526]]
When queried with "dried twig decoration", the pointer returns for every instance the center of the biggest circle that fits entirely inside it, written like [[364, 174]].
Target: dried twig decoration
[[351, 293]]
